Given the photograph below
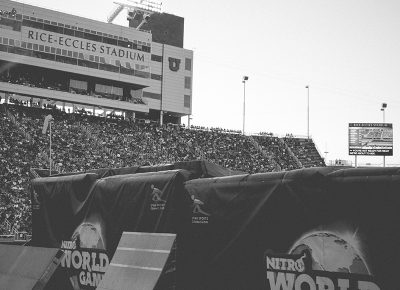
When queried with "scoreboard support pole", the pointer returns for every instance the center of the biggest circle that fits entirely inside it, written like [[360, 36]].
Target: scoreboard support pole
[[355, 161]]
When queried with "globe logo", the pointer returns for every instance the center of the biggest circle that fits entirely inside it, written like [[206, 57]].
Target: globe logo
[[88, 236], [331, 253]]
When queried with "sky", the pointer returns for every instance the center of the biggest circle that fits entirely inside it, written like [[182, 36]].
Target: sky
[[346, 51]]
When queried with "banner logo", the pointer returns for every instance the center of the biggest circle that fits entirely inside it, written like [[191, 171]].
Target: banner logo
[[174, 63], [85, 257], [199, 216], [319, 261], [35, 200], [157, 202]]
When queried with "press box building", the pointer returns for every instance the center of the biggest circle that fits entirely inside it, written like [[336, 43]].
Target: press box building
[[73, 61]]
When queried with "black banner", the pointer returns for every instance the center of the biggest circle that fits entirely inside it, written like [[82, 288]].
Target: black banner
[[319, 228]]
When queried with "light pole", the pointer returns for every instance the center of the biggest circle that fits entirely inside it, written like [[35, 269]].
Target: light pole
[[384, 106], [189, 118], [245, 78], [308, 111]]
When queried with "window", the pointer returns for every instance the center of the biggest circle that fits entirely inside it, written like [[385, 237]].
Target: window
[[68, 31], [109, 40], [188, 64], [99, 88], [123, 43], [93, 37], [52, 28], [186, 101], [188, 82], [80, 85], [79, 34], [33, 24], [156, 58], [155, 77], [152, 95]]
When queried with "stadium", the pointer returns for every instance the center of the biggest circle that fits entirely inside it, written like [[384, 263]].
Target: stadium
[[117, 96]]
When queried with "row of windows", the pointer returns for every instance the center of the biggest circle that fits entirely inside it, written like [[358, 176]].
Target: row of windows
[[10, 24], [186, 98], [69, 57], [72, 54], [15, 24]]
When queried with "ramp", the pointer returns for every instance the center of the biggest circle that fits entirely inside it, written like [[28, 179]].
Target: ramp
[[26, 268], [138, 261]]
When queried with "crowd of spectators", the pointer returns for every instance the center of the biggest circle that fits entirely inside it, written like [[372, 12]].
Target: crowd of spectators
[[17, 155], [276, 148], [81, 142], [306, 152], [26, 79]]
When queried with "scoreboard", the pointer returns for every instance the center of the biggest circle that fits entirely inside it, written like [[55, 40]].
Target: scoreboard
[[371, 139]]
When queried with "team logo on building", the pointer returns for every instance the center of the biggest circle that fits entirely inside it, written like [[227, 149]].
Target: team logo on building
[[174, 63], [199, 216], [85, 257], [156, 197], [319, 261]]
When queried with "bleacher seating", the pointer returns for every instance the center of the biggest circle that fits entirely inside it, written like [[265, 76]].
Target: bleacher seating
[[305, 151], [81, 142]]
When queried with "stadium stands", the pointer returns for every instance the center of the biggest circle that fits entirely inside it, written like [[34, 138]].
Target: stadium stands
[[81, 142], [304, 149]]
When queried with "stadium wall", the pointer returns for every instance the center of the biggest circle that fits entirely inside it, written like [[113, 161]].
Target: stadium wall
[[100, 50]]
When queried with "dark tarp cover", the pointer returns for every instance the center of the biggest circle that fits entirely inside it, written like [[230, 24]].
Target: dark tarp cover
[[319, 228], [82, 212], [197, 168], [347, 220]]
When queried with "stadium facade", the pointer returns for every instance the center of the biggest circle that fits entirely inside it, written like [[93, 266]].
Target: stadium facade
[[71, 61]]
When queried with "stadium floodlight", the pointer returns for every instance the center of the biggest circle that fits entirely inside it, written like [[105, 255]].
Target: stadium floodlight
[[384, 106], [245, 78], [308, 111]]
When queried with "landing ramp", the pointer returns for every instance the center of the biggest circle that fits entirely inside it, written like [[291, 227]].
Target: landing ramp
[[27, 268], [138, 261]]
